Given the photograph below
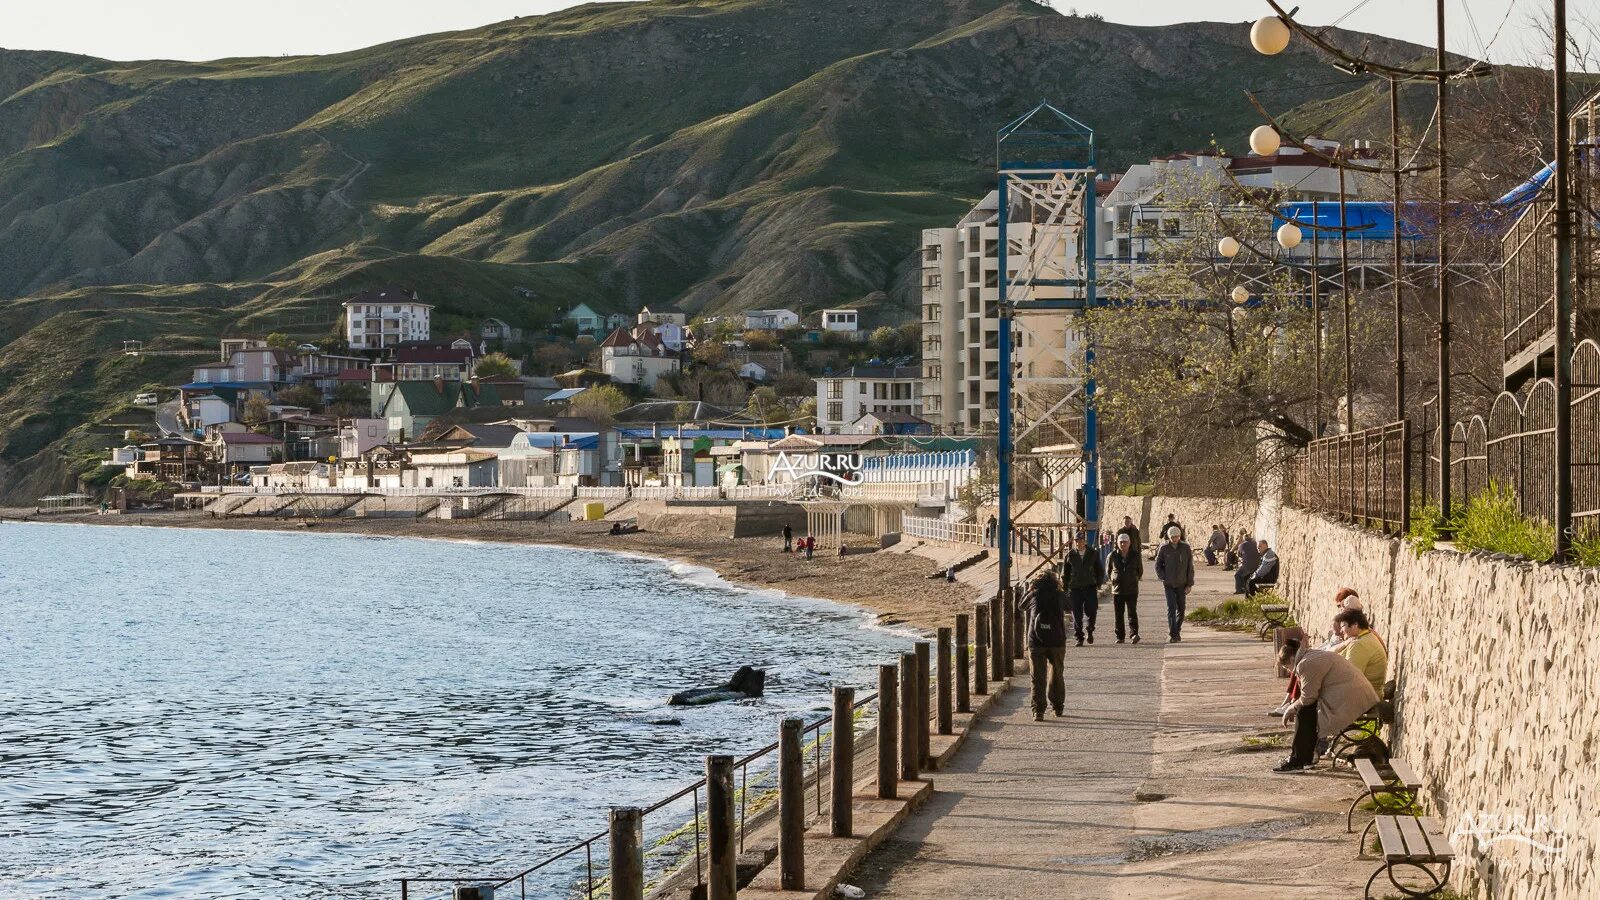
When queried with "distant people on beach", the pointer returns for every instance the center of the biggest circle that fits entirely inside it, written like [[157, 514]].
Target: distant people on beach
[[810, 544], [990, 530], [1125, 571], [1266, 574], [1084, 574], [1045, 608], [788, 538], [1175, 568]]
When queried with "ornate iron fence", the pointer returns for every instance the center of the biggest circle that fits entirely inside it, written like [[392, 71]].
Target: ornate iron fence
[[1361, 477]]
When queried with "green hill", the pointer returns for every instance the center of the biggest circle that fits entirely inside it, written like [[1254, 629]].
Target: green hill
[[722, 155]]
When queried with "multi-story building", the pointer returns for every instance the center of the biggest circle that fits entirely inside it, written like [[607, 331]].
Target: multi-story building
[[638, 356], [385, 317], [844, 397], [960, 314]]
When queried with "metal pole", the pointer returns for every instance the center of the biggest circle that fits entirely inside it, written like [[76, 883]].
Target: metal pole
[[1316, 318], [844, 759], [1344, 296], [910, 750], [1396, 279], [1091, 417], [627, 853], [1442, 94], [963, 666], [924, 686], [1563, 293], [997, 636], [722, 874], [980, 649], [791, 807], [1003, 444], [888, 731], [944, 683]]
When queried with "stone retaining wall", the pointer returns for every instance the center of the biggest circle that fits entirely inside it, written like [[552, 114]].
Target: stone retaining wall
[[1197, 514], [1498, 672]]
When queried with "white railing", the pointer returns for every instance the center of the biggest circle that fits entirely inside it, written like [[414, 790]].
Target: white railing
[[602, 493], [657, 492], [704, 492], [908, 492], [931, 529]]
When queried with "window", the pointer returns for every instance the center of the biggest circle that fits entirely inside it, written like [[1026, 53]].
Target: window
[[835, 390], [1170, 227], [427, 482], [835, 411]]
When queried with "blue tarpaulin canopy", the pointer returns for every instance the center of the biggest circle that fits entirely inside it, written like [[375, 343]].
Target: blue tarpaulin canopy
[[1374, 220]]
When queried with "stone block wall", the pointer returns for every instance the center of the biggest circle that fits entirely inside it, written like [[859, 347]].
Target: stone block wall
[[1498, 671], [1197, 514]]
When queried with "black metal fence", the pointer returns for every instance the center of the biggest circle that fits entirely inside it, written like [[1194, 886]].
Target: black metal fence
[[1217, 481], [1362, 477]]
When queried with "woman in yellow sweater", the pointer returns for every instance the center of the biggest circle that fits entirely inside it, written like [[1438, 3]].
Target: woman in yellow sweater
[[1362, 647]]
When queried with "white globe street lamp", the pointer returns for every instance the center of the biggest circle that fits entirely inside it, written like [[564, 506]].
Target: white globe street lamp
[[1269, 35], [1240, 295], [1264, 140], [1289, 235], [1228, 247]]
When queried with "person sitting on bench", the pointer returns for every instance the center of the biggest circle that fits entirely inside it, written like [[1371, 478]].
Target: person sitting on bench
[[1362, 647], [1266, 574], [1333, 694]]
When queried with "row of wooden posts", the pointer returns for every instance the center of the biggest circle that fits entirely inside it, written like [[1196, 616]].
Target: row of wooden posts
[[964, 667]]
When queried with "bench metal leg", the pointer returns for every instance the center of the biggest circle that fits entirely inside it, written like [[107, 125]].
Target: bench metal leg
[[1393, 801], [1436, 881]]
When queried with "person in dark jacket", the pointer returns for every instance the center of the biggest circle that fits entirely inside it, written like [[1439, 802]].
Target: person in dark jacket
[[1084, 574], [1126, 570], [788, 538], [1131, 530], [1266, 573], [1249, 560], [1175, 568], [1045, 607]]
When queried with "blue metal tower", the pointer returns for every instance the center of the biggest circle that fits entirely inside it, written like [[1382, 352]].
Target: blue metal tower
[[1045, 161]]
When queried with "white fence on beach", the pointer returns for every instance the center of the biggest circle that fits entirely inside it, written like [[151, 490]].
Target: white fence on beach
[[943, 530]]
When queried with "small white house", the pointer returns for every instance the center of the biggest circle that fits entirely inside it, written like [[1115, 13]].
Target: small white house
[[455, 469], [207, 410], [663, 316], [770, 319], [357, 436], [753, 371], [847, 321]]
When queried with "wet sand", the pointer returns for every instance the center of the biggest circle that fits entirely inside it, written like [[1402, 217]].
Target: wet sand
[[896, 586]]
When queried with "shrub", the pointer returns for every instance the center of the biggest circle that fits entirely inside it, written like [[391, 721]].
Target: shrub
[[1492, 522]]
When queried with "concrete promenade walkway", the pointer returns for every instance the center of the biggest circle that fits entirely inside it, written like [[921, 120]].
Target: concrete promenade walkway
[[1146, 789]]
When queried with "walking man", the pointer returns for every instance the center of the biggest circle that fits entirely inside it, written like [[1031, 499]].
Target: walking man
[[1126, 570], [1085, 574], [1175, 568], [1047, 644], [1131, 530], [788, 538], [810, 542]]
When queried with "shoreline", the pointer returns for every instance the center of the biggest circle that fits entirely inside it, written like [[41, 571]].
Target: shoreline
[[892, 588]]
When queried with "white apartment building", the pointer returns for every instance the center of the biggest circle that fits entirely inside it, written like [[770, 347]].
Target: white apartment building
[[960, 315], [385, 317], [844, 397]]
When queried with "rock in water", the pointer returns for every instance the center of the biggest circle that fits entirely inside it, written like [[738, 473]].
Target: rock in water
[[746, 683]]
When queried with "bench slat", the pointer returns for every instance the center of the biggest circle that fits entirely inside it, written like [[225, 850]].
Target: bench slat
[[1369, 774], [1417, 842], [1405, 774], [1433, 830], [1274, 607], [1394, 846]]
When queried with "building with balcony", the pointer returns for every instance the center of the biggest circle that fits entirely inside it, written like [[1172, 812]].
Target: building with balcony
[[382, 318], [844, 397]]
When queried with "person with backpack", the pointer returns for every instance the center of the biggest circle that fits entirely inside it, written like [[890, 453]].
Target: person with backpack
[[1126, 569], [1175, 568], [1045, 608], [1084, 574]]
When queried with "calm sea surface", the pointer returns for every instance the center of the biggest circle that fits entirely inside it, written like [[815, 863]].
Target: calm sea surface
[[236, 714]]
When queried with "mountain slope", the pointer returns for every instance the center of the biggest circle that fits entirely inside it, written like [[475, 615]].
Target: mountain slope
[[721, 154]]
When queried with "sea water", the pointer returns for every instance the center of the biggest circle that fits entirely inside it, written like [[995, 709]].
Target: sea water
[[212, 713]]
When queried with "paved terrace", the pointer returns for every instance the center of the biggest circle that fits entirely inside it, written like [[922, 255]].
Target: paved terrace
[[1147, 789]]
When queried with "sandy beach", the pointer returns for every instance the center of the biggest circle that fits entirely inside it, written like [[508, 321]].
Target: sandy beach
[[895, 586]]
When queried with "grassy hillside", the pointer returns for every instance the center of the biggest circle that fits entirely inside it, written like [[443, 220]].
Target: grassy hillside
[[719, 154]]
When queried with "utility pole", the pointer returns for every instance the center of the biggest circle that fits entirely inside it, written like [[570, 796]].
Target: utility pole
[[1399, 316], [1563, 293], [1442, 94], [1344, 291]]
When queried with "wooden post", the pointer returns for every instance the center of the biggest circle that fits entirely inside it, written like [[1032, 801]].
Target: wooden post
[[963, 665], [844, 758], [1008, 605], [997, 638], [924, 688], [888, 731], [943, 682], [1018, 639], [910, 752], [722, 877], [791, 807], [627, 853], [980, 660]]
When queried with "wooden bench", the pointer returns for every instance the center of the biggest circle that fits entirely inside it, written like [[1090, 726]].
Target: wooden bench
[[1276, 616], [1393, 786], [1413, 843]]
